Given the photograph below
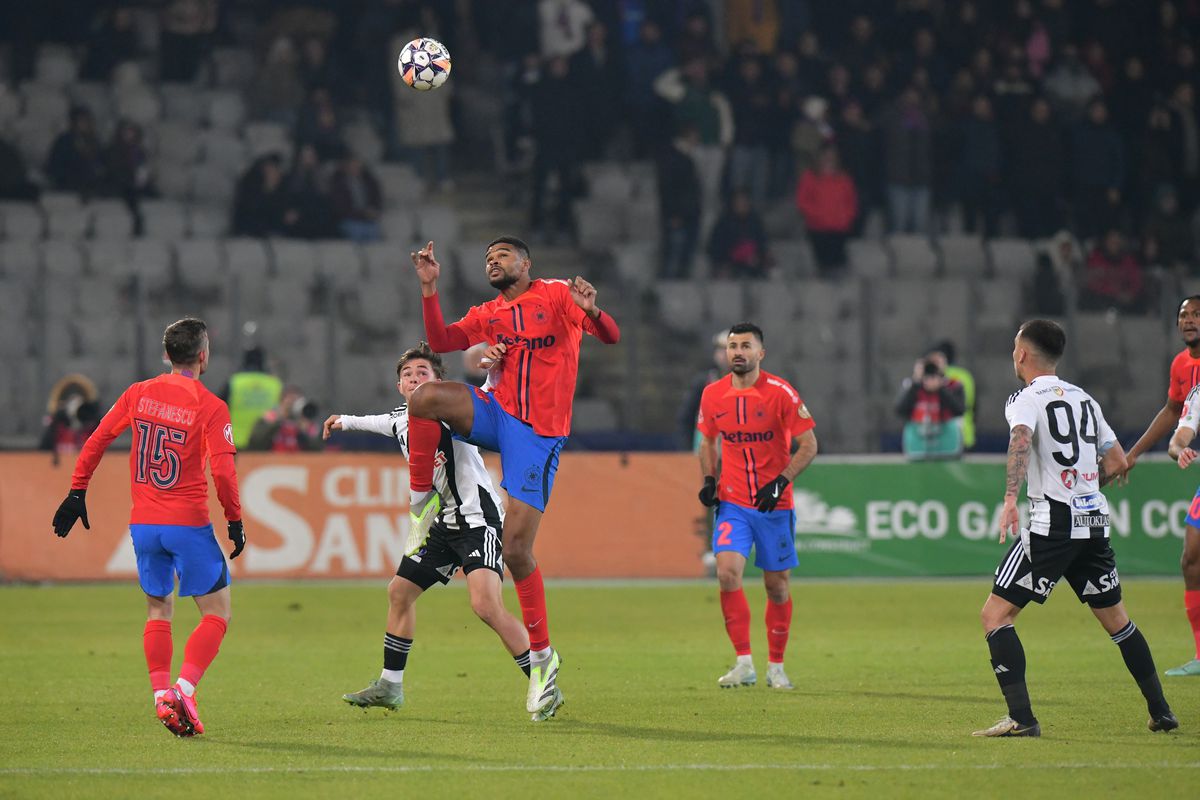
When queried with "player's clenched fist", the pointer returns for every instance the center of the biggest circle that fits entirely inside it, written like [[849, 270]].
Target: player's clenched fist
[[584, 294], [1186, 457], [708, 494], [332, 423]]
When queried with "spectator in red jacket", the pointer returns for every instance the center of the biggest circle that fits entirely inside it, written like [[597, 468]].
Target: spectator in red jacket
[[828, 201], [1113, 277]]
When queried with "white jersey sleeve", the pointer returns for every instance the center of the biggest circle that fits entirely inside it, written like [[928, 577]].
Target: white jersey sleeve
[[1190, 418], [1022, 410], [382, 424]]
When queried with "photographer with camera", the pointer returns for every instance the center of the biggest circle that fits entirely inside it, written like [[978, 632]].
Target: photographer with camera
[[291, 427], [931, 404]]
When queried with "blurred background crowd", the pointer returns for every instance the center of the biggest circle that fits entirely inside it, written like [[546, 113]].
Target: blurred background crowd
[[867, 179]]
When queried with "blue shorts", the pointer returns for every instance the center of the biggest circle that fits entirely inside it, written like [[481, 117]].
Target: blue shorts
[[1193, 515], [192, 553], [528, 461], [772, 534]]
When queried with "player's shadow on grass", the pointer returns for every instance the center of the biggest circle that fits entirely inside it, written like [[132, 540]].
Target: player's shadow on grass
[[717, 736], [405, 748]]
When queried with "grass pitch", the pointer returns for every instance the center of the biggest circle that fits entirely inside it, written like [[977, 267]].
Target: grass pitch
[[891, 679]]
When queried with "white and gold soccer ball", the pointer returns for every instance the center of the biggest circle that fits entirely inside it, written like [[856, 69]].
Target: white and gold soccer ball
[[424, 64]]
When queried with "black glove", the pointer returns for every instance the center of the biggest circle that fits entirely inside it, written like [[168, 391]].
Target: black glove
[[708, 495], [238, 537], [71, 509], [768, 496]]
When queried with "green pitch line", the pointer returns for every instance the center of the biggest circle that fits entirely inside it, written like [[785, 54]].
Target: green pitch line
[[891, 678]]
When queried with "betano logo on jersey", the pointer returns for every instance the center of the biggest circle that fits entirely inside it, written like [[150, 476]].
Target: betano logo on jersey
[[530, 343], [747, 437]]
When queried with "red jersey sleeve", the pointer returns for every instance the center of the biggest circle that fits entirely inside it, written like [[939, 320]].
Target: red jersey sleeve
[[110, 427], [795, 414], [603, 327], [218, 441], [444, 338], [704, 420]]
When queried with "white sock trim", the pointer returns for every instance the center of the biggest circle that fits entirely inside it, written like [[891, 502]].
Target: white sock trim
[[747, 660], [393, 675], [540, 655], [186, 687]]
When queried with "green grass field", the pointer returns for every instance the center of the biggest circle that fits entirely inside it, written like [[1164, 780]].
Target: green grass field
[[891, 679]]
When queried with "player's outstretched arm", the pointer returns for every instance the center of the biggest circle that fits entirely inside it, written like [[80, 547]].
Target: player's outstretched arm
[[75, 506], [1180, 447], [428, 269], [1020, 448], [1160, 426], [1112, 463], [372, 423], [598, 324]]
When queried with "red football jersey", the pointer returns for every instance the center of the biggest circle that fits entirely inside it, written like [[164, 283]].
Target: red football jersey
[[756, 427], [542, 329], [1185, 373], [177, 425]]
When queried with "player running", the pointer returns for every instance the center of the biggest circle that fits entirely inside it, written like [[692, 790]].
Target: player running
[[534, 329], [466, 535], [1061, 443], [1185, 375], [759, 419], [177, 425]]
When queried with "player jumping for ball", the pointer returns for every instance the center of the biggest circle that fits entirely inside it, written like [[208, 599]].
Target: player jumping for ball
[[759, 419], [1061, 444], [533, 329], [466, 536], [177, 425]]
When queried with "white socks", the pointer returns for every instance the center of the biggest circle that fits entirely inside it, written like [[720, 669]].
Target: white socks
[[749, 662], [187, 688], [393, 675], [539, 655]]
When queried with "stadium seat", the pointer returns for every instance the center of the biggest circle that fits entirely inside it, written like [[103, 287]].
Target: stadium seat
[[681, 305], [380, 303], [826, 300], [962, 255], [897, 336], [67, 223], [164, 220], [212, 185], [1102, 334], [200, 264], [263, 138], [641, 222], [173, 179], [111, 219], [10, 106], [223, 150], [177, 142], [868, 259], [294, 259], [233, 67], [399, 227], [184, 104], [152, 262], [247, 264], [437, 223], [636, 262], [726, 302], [15, 338], [913, 255], [773, 303], [208, 220], [95, 96], [46, 103], [33, 137], [793, 258], [401, 186], [226, 110], [1012, 258], [290, 295], [20, 261], [341, 262], [63, 264], [21, 221], [609, 184], [1142, 336], [598, 224], [138, 104], [363, 141]]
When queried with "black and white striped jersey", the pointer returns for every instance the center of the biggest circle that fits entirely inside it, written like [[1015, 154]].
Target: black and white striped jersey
[[469, 498], [1070, 435], [1190, 416]]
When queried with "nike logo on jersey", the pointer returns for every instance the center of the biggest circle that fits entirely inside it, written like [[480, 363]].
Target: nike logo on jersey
[[720, 414]]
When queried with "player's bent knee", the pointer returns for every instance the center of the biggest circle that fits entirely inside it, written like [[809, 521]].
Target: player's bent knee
[[730, 580]]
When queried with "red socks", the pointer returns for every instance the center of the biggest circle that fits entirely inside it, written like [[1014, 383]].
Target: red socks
[[1191, 602], [202, 647], [156, 641], [737, 620], [779, 623], [423, 437], [531, 593]]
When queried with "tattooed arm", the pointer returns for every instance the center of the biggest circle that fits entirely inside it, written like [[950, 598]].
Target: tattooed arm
[[1020, 448]]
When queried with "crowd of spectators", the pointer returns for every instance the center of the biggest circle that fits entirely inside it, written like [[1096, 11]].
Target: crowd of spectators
[[1025, 118]]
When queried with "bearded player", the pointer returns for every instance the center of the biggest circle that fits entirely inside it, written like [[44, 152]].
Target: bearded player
[[533, 329], [1185, 375], [766, 440], [178, 425]]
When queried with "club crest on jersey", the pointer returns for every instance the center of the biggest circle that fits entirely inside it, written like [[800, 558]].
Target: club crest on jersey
[[1069, 476], [1057, 390], [804, 412], [532, 476], [228, 432], [760, 412], [540, 316]]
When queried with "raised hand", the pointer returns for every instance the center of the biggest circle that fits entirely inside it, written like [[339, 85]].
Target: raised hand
[[584, 294], [428, 269], [332, 423], [491, 356]]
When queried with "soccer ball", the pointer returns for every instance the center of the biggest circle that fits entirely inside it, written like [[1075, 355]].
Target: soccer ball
[[424, 64]]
